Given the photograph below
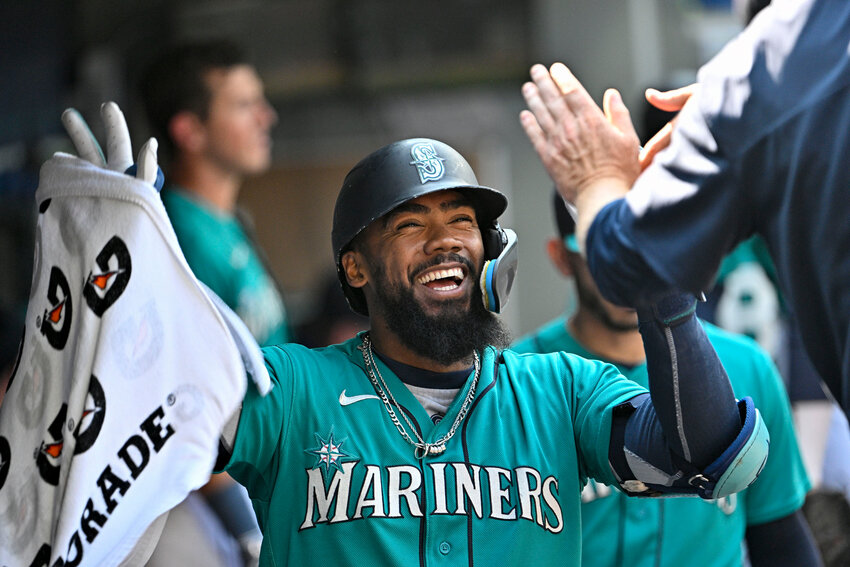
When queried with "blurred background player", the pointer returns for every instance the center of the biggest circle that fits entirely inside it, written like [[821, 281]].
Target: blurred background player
[[206, 105], [618, 530]]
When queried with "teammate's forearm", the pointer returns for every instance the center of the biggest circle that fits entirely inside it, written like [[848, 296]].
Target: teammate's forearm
[[691, 436], [589, 202], [786, 542], [690, 390], [617, 265]]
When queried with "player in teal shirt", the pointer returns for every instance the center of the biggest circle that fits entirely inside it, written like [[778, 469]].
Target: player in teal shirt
[[222, 256], [423, 441], [334, 482], [206, 104], [619, 531]]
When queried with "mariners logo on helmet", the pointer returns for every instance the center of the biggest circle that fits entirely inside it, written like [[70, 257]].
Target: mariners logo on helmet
[[427, 162]]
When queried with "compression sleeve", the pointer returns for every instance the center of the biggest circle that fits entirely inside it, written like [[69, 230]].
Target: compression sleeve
[[690, 391], [692, 419], [786, 542]]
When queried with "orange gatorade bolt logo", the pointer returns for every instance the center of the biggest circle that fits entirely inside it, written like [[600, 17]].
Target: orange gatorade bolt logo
[[56, 322], [106, 284]]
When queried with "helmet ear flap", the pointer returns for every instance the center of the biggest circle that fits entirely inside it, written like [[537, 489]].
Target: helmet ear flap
[[499, 271], [494, 240]]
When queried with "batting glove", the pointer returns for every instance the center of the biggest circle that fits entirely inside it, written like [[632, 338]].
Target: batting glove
[[119, 155]]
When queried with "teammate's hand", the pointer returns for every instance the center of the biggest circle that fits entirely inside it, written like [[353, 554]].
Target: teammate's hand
[[119, 156], [670, 101], [581, 145]]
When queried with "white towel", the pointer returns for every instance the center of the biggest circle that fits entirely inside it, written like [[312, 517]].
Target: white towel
[[127, 373]]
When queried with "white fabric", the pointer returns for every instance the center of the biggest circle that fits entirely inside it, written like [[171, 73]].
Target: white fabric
[[249, 350], [168, 368]]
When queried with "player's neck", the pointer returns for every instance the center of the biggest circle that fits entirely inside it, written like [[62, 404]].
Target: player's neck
[[613, 345], [219, 188]]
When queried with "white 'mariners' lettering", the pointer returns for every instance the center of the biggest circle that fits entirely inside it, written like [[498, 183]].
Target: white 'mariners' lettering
[[396, 492], [372, 482], [383, 492], [439, 487], [551, 499], [468, 485], [527, 493], [499, 494], [337, 491]]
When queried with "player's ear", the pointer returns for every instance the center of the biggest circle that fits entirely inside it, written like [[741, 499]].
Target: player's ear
[[558, 255], [354, 267], [187, 131]]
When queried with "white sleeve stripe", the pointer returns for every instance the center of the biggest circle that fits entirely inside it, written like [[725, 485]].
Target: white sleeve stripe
[[677, 401]]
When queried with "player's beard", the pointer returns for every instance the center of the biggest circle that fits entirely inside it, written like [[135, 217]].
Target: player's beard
[[447, 337]]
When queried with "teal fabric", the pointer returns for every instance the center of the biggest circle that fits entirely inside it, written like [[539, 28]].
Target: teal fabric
[[337, 484], [222, 256], [622, 531]]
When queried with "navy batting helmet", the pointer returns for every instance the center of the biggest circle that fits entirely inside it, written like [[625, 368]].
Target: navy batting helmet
[[400, 172]]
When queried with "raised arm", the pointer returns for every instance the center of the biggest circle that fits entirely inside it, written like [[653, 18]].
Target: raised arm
[[690, 436], [591, 154]]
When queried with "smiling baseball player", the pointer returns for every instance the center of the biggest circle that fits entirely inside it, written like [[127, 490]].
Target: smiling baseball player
[[423, 441]]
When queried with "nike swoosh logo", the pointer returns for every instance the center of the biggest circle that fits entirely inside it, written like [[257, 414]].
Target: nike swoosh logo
[[348, 400]]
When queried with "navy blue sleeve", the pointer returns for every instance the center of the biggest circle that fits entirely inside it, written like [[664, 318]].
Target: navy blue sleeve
[[692, 417], [690, 390], [619, 269], [784, 542]]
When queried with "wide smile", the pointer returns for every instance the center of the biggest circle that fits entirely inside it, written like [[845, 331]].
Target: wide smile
[[442, 280]]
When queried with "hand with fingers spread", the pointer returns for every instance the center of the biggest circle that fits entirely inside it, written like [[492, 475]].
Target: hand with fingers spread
[[580, 145], [119, 156], [670, 101]]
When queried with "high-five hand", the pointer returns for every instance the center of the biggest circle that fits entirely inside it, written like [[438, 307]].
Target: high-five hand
[[579, 144], [670, 101]]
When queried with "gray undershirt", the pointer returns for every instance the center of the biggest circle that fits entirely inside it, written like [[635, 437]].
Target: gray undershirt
[[436, 401]]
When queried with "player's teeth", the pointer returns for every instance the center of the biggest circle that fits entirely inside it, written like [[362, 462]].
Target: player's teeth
[[440, 274]]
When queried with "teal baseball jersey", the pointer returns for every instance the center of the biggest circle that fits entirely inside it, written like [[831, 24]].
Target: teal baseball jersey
[[223, 257], [621, 531], [333, 482]]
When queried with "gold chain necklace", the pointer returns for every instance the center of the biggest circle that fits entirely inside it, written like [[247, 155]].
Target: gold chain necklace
[[422, 449]]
